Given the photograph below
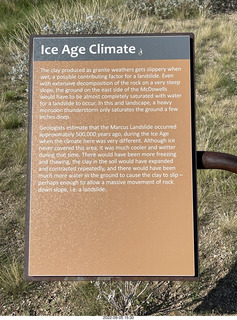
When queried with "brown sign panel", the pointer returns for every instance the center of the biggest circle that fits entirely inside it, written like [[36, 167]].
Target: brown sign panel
[[111, 158]]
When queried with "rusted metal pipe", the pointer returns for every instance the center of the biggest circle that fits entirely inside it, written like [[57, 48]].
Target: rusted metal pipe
[[216, 160]]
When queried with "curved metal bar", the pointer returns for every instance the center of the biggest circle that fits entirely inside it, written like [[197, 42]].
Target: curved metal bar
[[216, 160]]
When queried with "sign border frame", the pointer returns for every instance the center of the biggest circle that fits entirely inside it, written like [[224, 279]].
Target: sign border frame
[[27, 277]]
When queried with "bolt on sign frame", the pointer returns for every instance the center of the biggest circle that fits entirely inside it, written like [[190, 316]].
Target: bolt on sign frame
[[135, 223]]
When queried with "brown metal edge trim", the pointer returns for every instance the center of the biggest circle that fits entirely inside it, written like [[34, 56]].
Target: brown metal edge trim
[[190, 34], [194, 155], [112, 278], [27, 220], [28, 181]]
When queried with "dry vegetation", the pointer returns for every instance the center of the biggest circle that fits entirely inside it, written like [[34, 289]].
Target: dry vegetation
[[216, 56]]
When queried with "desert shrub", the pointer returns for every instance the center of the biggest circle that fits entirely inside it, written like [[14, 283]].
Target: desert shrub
[[19, 70], [134, 298], [122, 298], [125, 298], [169, 8], [92, 25], [181, 8], [222, 6]]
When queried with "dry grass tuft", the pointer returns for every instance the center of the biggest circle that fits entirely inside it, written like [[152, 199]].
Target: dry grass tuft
[[11, 278]]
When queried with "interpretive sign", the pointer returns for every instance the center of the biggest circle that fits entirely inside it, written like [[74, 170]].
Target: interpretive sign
[[111, 158]]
